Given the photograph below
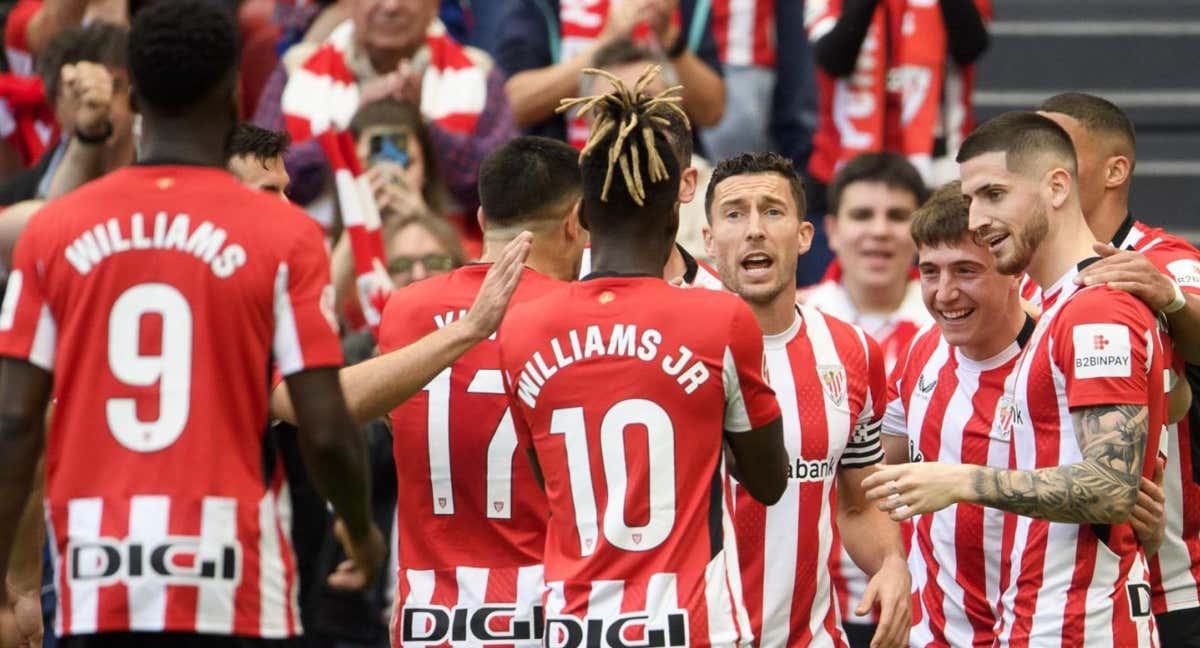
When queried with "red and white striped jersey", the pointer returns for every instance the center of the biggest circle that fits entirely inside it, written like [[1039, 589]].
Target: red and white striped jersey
[[625, 399], [1176, 566], [745, 32], [159, 296], [893, 334], [1073, 584], [471, 518], [829, 379], [945, 404]]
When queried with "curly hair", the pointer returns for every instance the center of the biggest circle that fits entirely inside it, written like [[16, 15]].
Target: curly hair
[[180, 52]]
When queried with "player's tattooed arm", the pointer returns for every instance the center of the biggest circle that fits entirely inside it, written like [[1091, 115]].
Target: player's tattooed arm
[[1100, 489]]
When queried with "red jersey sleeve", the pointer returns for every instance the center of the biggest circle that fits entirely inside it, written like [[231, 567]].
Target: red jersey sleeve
[[1179, 261], [865, 447], [895, 420], [305, 329], [1105, 346], [27, 328], [749, 402], [16, 36], [820, 16]]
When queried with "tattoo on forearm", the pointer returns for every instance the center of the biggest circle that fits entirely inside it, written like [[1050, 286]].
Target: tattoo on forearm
[[1101, 489]]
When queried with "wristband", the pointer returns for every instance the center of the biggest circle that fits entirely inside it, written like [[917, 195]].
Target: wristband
[[84, 138], [1176, 304]]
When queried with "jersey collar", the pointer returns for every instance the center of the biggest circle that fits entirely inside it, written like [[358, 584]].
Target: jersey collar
[[781, 339]]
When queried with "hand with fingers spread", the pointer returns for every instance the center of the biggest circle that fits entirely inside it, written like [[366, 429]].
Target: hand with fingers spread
[[498, 287], [1130, 272], [88, 89], [890, 590], [394, 195], [906, 490], [1148, 519], [365, 555]]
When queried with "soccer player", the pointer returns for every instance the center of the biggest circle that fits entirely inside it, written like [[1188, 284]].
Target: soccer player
[[942, 401], [1086, 407], [626, 389], [256, 158], [870, 284], [471, 517], [152, 302], [829, 379], [1162, 270]]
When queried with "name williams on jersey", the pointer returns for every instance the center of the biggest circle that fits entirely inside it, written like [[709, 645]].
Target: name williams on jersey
[[206, 242], [619, 340]]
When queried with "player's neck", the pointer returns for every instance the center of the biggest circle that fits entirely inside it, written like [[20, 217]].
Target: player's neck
[[180, 140], [998, 338], [545, 256], [676, 267], [775, 316], [1106, 218], [1068, 242], [619, 252], [873, 300]]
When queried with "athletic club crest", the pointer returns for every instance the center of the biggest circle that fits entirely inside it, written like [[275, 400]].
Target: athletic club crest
[[833, 381], [1008, 417]]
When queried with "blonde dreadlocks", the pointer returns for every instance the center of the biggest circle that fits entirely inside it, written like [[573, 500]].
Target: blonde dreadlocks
[[625, 110]]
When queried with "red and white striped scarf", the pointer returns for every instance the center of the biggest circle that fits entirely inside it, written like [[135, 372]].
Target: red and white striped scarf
[[319, 101]]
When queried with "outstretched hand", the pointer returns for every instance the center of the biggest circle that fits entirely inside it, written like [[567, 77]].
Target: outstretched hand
[[906, 490], [498, 287]]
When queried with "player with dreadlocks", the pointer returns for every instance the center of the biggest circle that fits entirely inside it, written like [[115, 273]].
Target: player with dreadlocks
[[639, 542]]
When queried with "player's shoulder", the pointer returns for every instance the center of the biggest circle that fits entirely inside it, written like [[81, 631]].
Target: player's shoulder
[[923, 345], [1101, 304]]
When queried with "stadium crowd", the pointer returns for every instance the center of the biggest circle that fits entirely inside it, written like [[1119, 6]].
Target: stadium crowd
[[604, 323]]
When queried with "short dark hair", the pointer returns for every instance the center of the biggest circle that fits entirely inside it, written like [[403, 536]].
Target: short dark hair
[[750, 163], [624, 51], [1021, 136], [629, 170], [98, 42], [891, 169], [944, 219], [1098, 115], [390, 112], [180, 53], [529, 178], [259, 143]]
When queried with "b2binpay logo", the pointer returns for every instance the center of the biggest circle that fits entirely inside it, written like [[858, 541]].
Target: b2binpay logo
[[625, 631], [434, 625]]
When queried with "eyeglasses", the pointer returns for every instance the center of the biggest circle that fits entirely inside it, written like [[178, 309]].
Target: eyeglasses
[[431, 263]]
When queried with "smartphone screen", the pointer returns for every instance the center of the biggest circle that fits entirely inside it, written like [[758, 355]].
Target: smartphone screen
[[390, 147]]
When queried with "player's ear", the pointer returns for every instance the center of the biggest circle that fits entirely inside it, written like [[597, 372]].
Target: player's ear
[[1060, 185], [1117, 170], [687, 184], [571, 227], [481, 218], [804, 237]]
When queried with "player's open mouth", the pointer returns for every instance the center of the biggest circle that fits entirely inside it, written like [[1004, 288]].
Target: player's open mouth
[[956, 315], [757, 263], [994, 242], [882, 255]]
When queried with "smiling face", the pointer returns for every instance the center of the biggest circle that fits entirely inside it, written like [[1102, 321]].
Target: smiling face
[[755, 236], [1007, 211], [392, 25], [970, 301], [869, 234]]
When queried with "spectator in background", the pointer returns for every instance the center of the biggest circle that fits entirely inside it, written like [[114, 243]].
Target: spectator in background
[[871, 284], [256, 158], [85, 73], [770, 99], [395, 48], [893, 75], [420, 247], [544, 47], [395, 145]]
